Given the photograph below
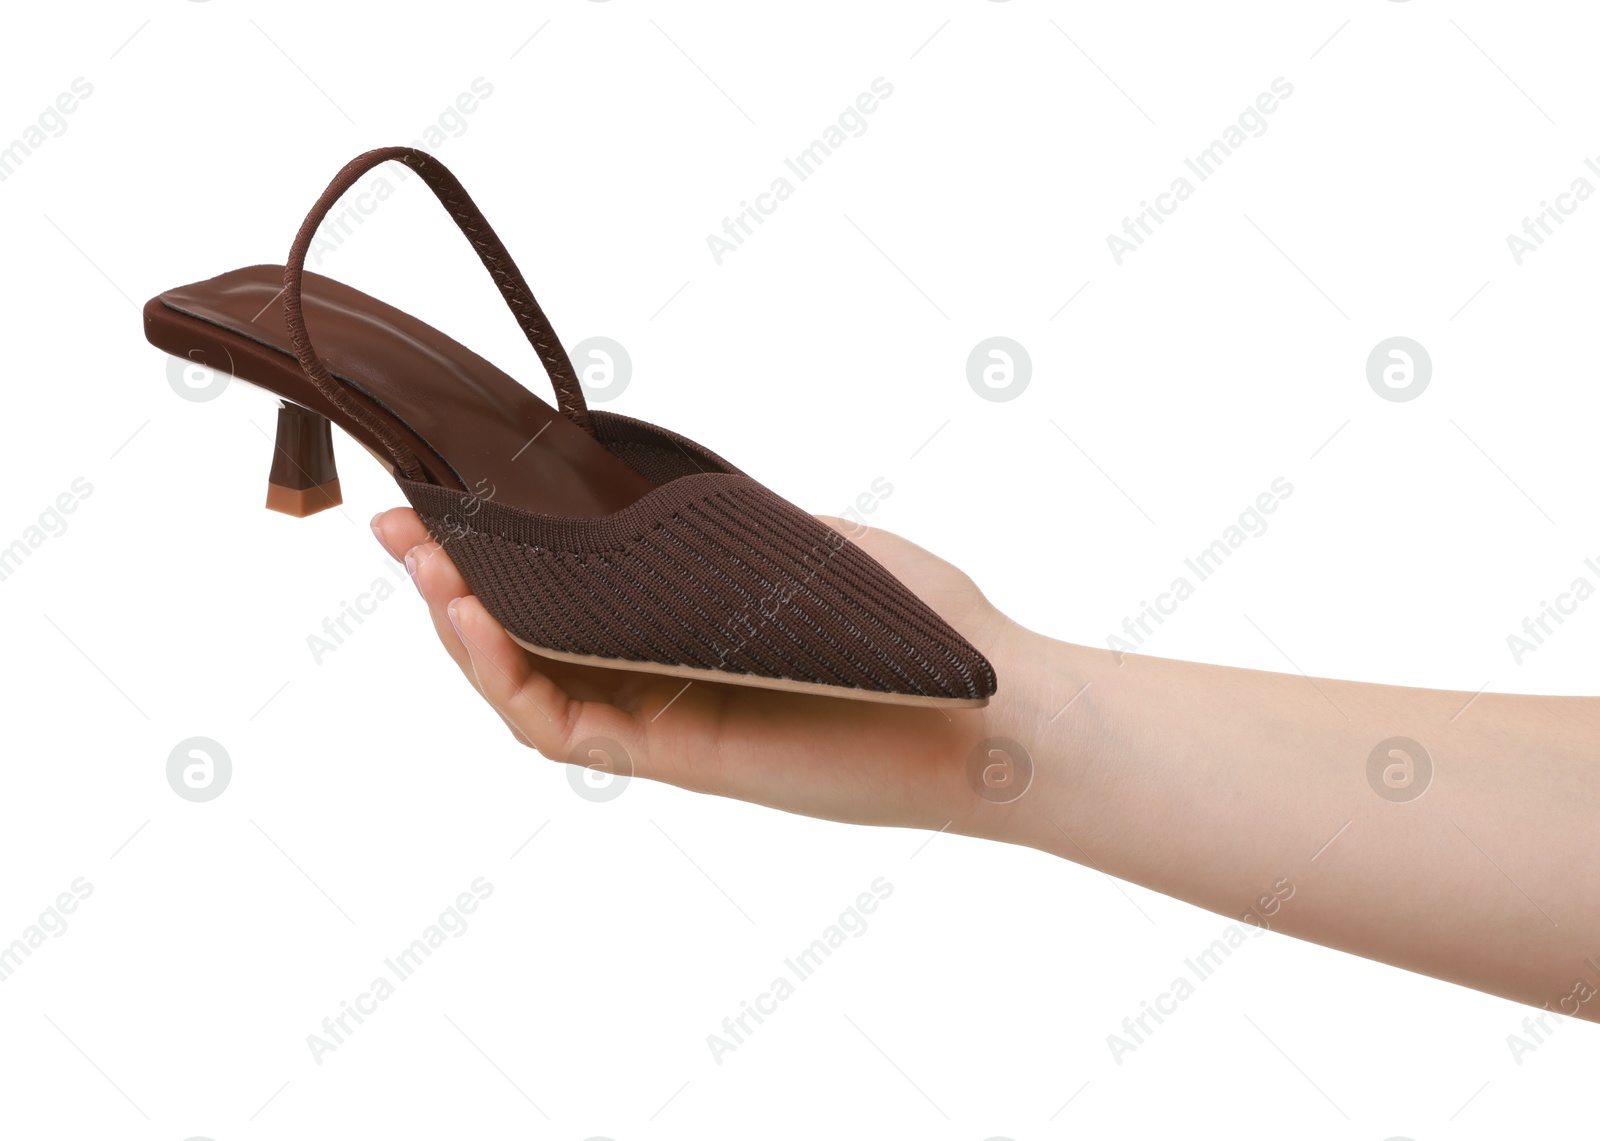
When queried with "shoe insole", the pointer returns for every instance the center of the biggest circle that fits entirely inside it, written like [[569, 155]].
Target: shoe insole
[[501, 441]]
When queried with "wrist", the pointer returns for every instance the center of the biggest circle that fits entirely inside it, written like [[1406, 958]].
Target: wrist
[[1051, 708]]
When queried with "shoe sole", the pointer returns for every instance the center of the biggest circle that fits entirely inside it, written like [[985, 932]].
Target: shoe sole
[[752, 681]]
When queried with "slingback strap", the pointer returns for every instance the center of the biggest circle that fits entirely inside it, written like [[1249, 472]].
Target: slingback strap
[[509, 280]]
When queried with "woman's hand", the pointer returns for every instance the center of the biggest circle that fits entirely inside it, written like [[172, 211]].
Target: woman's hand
[[854, 761], [1269, 798]]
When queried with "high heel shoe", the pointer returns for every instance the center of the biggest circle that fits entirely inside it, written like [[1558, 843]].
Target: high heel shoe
[[592, 537]]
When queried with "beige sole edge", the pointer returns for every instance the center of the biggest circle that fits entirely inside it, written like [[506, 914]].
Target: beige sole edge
[[755, 681]]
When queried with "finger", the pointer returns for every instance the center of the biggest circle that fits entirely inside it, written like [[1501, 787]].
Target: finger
[[438, 581], [537, 709], [398, 530], [401, 532]]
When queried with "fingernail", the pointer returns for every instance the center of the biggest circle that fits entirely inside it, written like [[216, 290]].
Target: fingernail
[[455, 621], [411, 568], [377, 532]]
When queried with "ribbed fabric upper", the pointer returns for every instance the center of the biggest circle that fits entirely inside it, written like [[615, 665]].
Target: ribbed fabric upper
[[711, 570], [658, 454]]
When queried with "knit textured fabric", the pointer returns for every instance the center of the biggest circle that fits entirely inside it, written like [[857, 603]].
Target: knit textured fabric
[[658, 454], [710, 570]]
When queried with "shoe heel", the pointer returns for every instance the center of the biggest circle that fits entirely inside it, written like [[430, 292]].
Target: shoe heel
[[303, 479]]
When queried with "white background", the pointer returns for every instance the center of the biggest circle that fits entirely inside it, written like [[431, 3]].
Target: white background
[[370, 789]]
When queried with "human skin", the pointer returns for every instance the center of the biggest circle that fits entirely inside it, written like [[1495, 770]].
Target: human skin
[[1223, 787]]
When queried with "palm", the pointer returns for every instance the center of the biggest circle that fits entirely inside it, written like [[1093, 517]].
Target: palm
[[855, 761]]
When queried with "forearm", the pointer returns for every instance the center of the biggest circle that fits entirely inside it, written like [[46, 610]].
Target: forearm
[[1248, 793]]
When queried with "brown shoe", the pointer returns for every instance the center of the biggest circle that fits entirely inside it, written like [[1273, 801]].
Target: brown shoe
[[592, 537]]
